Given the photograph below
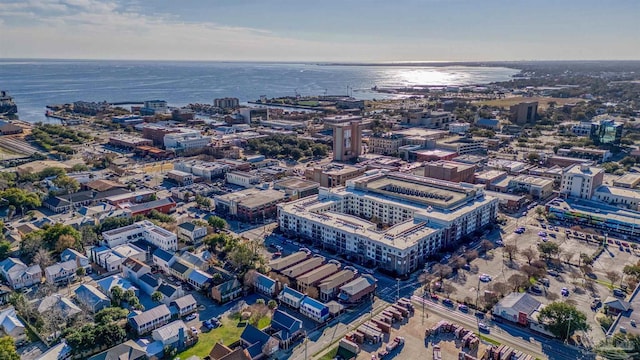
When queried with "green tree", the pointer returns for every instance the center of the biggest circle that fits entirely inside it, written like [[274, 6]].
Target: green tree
[[548, 249], [117, 295], [66, 183], [156, 296], [109, 315], [217, 222], [272, 304], [8, 349], [21, 199], [563, 319], [5, 249]]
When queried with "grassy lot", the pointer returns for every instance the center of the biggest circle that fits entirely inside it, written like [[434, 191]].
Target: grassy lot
[[308, 103], [330, 355], [229, 333], [543, 102]]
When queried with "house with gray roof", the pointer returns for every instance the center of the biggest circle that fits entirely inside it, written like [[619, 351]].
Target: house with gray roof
[[19, 275], [517, 308], [291, 297], [357, 290], [185, 305], [170, 292], [58, 303], [128, 350], [61, 273], [285, 328], [81, 260], [151, 319], [191, 232], [173, 334], [90, 297], [11, 325]]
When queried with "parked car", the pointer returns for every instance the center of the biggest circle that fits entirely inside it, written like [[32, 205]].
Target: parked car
[[448, 302], [463, 308], [564, 292], [485, 278], [190, 317], [194, 330]]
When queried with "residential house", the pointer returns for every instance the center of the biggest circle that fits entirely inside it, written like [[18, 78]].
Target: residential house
[[128, 350], [191, 232], [106, 258], [198, 279], [223, 352], [56, 204], [61, 273], [227, 290], [11, 325], [130, 251], [170, 292], [196, 261], [517, 308], [357, 290], [90, 297], [185, 305], [314, 309], [329, 287], [180, 270], [58, 303], [162, 259], [258, 343], [285, 328], [265, 285], [171, 335], [133, 270], [81, 260], [141, 230], [149, 283], [19, 275], [291, 297], [151, 319], [105, 285]]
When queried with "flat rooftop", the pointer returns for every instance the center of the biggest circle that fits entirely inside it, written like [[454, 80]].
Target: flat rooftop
[[421, 132], [253, 197], [598, 209], [533, 180], [628, 179], [296, 183]]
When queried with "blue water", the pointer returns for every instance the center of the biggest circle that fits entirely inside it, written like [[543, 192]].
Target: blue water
[[37, 83]]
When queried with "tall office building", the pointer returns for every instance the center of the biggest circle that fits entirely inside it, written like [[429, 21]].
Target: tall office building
[[347, 141], [524, 112], [606, 132]]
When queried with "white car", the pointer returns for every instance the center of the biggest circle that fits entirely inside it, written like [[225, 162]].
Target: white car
[[485, 278], [194, 330], [190, 317]]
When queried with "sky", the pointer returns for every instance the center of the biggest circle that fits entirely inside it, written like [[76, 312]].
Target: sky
[[321, 30]]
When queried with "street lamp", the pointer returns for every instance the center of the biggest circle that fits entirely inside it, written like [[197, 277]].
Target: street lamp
[[568, 329]]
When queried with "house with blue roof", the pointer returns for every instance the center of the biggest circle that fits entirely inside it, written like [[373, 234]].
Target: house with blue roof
[[290, 297], [258, 343], [170, 292], [265, 285], [285, 328], [162, 259], [314, 309], [198, 279], [92, 298], [149, 283]]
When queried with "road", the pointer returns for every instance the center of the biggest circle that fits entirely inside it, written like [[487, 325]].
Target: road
[[335, 330], [537, 345]]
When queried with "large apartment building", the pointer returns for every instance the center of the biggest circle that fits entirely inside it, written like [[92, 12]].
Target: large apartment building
[[420, 216]]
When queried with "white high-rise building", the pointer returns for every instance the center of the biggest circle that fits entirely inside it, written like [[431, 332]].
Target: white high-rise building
[[580, 181]]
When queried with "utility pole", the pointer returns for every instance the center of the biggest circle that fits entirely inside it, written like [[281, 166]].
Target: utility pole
[[398, 289], [568, 329]]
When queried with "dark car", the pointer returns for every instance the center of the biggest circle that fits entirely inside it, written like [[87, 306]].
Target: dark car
[[448, 302], [619, 293]]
